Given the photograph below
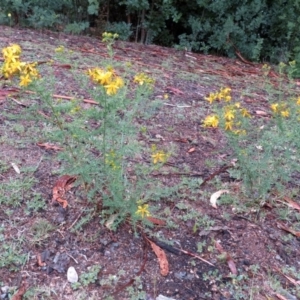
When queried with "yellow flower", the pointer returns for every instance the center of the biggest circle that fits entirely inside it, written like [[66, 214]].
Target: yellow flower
[[159, 156], [104, 77], [143, 210], [211, 121], [111, 89], [282, 65], [211, 98], [226, 91], [240, 131], [229, 115], [298, 101], [227, 98], [166, 96], [119, 82], [142, 78], [275, 107], [245, 113], [30, 69], [12, 50], [285, 113], [228, 125], [60, 49], [25, 80], [224, 94]]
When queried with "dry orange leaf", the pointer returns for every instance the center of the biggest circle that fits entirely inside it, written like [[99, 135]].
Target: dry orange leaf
[[20, 293], [175, 90], [191, 150], [292, 203], [261, 113], [49, 146], [230, 262], [39, 260], [62, 185], [156, 221], [290, 230], [162, 259]]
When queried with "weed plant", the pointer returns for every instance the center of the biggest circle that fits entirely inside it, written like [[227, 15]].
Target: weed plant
[[100, 142], [266, 151]]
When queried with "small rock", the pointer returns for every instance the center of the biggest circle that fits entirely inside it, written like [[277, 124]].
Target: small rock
[[180, 275], [190, 277], [161, 297], [5, 289], [72, 275], [278, 257]]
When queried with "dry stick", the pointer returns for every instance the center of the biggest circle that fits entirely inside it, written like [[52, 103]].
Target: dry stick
[[195, 255], [182, 251], [90, 101], [18, 102], [210, 177], [77, 218]]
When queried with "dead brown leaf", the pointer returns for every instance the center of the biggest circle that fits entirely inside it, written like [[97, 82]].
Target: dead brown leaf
[[162, 258], [7, 92], [62, 185], [39, 260], [261, 113], [64, 66], [20, 293], [215, 196], [292, 203], [230, 262], [175, 90], [156, 221], [191, 150], [290, 230], [49, 146]]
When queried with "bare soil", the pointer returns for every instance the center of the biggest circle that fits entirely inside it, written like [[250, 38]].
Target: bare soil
[[258, 248]]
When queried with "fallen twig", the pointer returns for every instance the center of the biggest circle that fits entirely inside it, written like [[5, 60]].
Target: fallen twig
[[18, 102]]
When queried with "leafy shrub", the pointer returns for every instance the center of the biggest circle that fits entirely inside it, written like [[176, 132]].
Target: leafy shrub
[[121, 28], [257, 30]]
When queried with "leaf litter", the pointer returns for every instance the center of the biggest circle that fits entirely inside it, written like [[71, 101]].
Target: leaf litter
[[244, 242]]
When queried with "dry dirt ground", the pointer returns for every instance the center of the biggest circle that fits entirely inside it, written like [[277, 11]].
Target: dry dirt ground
[[121, 264]]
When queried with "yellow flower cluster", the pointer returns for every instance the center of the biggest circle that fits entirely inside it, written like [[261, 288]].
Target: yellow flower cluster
[[211, 121], [13, 66], [108, 36], [230, 114], [281, 109], [112, 160], [142, 78], [223, 94], [106, 78]]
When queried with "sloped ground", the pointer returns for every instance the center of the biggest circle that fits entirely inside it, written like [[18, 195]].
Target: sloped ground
[[121, 264]]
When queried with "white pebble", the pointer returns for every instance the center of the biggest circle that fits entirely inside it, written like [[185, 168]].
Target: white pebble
[[72, 275]]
